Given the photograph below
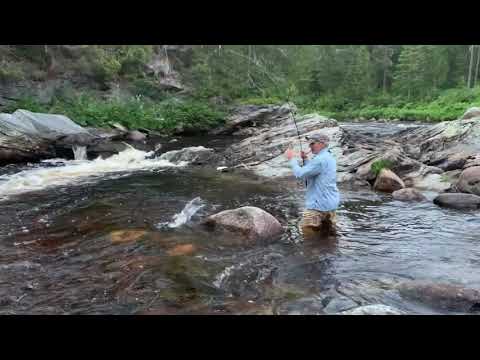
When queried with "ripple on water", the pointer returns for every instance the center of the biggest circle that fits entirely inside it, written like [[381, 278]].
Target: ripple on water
[[380, 242]]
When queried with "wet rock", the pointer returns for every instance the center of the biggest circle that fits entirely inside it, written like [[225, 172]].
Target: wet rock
[[452, 161], [195, 155], [428, 178], [21, 148], [398, 161], [248, 115], [135, 135], [388, 181], [408, 194], [20, 265], [469, 180], [338, 304], [471, 113], [119, 127], [444, 139], [126, 236], [311, 305], [184, 249], [75, 139], [376, 309], [458, 201], [245, 132], [250, 222], [264, 152], [106, 149], [442, 295]]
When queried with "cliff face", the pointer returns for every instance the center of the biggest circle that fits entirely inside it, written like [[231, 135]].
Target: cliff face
[[47, 71]]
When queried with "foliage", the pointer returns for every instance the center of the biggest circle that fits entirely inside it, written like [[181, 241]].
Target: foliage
[[378, 165], [136, 112]]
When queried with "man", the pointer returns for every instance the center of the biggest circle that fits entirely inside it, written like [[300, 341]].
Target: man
[[322, 197]]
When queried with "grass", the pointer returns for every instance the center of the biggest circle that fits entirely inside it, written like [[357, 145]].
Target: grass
[[136, 112], [445, 105], [378, 165]]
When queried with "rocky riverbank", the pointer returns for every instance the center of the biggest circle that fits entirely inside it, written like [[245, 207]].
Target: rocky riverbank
[[442, 158]]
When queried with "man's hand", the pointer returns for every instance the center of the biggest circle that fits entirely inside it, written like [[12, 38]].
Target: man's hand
[[304, 155], [290, 154]]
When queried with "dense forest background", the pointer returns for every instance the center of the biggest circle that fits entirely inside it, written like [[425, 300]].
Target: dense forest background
[[166, 86]]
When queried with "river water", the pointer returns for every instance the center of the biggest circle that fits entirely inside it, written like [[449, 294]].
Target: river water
[[121, 236]]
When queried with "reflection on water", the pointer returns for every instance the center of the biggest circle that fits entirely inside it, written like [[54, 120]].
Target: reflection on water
[[96, 248], [93, 247]]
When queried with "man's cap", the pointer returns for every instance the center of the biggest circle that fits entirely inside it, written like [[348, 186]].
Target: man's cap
[[320, 138]]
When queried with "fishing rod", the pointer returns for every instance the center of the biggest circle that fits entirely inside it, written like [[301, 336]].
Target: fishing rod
[[298, 133]]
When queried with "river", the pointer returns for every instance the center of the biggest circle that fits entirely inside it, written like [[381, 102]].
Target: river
[[107, 237]]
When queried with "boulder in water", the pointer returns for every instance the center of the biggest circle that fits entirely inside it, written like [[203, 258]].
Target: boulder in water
[[250, 222], [388, 181], [106, 149], [469, 180], [408, 194], [458, 201], [196, 155], [473, 112], [376, 309], [441, 295]]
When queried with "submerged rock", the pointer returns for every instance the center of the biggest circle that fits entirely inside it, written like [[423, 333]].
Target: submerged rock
[[376, 309], [184, 249], [126, 236], [408, 194], [442, 295]]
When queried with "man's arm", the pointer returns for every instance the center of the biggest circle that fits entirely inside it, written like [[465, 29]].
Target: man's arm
[[309, 169]]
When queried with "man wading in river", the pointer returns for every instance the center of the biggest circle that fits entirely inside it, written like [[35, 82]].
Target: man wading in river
[[322, 197]]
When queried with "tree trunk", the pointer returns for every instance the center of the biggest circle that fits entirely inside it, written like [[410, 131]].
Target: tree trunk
[[470, 66], [476, 70]]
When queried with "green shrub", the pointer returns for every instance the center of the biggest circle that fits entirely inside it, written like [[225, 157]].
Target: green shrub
[[10, 72], [137, 112], [378, 165]]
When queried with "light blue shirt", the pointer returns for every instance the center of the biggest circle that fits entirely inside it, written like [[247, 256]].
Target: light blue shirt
[[321, 175]]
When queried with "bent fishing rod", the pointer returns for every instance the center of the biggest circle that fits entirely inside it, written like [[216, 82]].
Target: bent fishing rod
[[298, 133]]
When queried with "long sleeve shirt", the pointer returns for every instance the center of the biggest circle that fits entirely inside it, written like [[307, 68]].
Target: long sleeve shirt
[[321, 175]]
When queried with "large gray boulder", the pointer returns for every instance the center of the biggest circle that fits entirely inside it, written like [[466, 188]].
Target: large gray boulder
[[473, 112], [251, 223], [458, 201], [27, 136], [49, 126], [469, 180]]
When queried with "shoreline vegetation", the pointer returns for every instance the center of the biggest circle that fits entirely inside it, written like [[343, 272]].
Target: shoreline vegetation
[[171, 88], [197, 114]]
